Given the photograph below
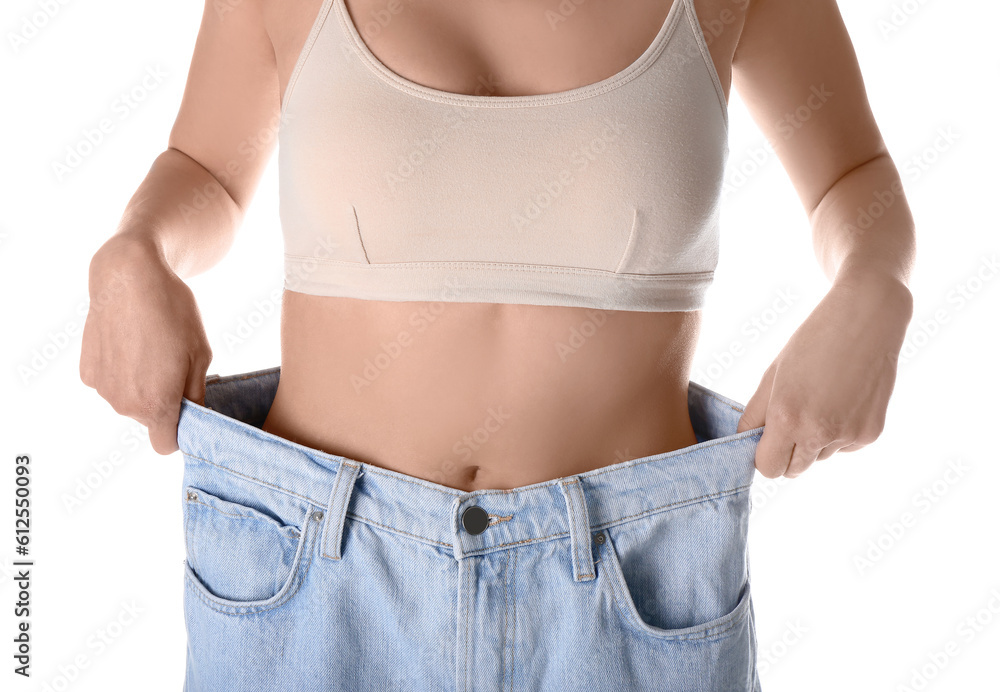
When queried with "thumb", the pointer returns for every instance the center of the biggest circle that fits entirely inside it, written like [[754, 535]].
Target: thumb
[[753, 413]]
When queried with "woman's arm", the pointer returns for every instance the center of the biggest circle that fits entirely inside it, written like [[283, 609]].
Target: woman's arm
[[193, 199], [828, 389], [796, 70], [144, 344]]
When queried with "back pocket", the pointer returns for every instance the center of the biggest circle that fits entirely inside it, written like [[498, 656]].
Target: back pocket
[[238, 555]]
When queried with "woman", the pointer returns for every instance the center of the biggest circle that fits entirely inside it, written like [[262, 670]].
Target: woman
[[481, 463]]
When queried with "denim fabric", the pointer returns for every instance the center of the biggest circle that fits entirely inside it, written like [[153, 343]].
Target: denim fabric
[[307, 571]]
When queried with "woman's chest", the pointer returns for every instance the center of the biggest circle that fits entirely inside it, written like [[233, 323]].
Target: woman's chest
[[503, 47]]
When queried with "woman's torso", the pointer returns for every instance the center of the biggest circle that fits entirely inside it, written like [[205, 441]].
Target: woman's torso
[[487, 395]]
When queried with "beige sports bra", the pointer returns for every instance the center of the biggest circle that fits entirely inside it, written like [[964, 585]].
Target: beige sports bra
[[603, 196]]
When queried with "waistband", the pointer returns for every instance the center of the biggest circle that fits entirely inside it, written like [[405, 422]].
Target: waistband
[[226, 432]]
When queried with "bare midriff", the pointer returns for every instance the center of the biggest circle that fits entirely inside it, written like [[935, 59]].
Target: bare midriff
[[485, 395], [482, 395]]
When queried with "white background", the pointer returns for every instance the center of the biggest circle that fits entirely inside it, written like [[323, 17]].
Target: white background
[[825, 621]]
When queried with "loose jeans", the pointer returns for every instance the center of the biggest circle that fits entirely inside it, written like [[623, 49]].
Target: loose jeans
[[308, 571]]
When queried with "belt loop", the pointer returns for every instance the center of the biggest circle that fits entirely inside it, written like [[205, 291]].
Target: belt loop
[[336, 509], [579, 529]]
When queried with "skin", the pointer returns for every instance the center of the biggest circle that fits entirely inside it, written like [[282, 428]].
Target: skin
[[620, 396]]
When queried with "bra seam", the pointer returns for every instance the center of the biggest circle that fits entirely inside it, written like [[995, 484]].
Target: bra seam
[[399, 83], [631, 235], [706, 55], [314, 32], [514, 266], [361, 240]]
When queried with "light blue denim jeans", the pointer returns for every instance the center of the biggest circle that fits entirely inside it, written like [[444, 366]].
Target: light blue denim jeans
[[308, 571]]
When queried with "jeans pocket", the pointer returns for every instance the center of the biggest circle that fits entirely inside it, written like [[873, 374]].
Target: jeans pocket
[[681, 574], [240, 559]]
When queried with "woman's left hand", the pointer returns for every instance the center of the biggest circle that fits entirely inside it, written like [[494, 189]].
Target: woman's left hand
[[829, 387]]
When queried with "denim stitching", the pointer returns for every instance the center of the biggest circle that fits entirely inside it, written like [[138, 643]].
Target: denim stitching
[[330, 519], [692, 501], [620, 588], [675, 456], [315, 503], [621, 520], [299, 570], [371, 522], [375, 469], [188, 542], [602, 471], [514, 621], [468, 620], [299, 575], [655, 510], [272, 439], [729, 624], [272, 486], [503, 644], [228, 609], [572, 522], [241, 516]]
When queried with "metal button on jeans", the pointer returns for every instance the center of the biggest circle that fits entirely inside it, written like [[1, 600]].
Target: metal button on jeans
[[475, 519]]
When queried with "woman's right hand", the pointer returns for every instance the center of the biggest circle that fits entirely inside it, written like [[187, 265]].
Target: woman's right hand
[[144, 344]]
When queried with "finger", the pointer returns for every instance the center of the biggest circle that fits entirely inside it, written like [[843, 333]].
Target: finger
[[774, 451], [802, 459], [88, 347], [821, 444], [829, 451], [194, 390], [194, 385], [163, 423], [756, 408]]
